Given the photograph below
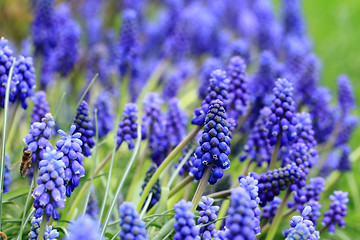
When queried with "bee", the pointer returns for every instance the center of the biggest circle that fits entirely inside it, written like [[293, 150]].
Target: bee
[[26, 161]]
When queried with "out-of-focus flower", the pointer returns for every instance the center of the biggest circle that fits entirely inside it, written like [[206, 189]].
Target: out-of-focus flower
[[176, 121], [84, 228], [128, 126], [105, 116], [7, 174]]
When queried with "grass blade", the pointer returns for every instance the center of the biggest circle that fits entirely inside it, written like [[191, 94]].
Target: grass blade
[[3, 143]]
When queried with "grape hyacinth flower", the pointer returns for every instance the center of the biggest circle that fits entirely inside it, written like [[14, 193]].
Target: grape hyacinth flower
[[50, 193], [84, 228], [263, 81], [44, 27], [238, 90], [213, 149], [156, 189], [24, 72], [272, 182], [296, 50], [282, 121], [300, 155], [293, 18], [83, 124], [305, 133], [218, 89], [344, 161], [270, 209], [346, 96], [185, 226], [68, 42], [210, 65], [308, 79], [70, 146], [7, 174], [105, 116], [132, 227], [187, 166], [6, 61], [241, 48], [250, 185], [128, 46], [311, 191], [301, 228], [338, 210], [315, 211], [40, 108], [347, 130], [207, 215], [127, 130], [176, 121], [39, 135], [50, 233], [240, 221], [258, 148]]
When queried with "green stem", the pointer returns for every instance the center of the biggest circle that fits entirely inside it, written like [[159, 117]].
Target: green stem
[[94, 163], [3, 143], [222, 212], [201, 187], [278, 216], [122, 181], [181, 185], [25, 207], [220, 194], [165, 230], [164, 164], [147, 203], [275, 153], [354, 189], [42, 227]]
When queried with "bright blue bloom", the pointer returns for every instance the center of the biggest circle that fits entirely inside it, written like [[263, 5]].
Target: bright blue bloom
[[105, 115], [272, 182], [346, 96], [6, 61], [315, 211], [293, 18], [176, 121], [305, 133], [128, 44], [185, 226], [44, 27], [39, 135], [338, 210], [68, 42], [70, 146], [132, 227], [24, 72], [250, 185], [269, 211], [207, 214], [282, 120], [50, 233], [311, 191], [348, 127], [127, 130], [84, 228], [240, 221], [40, 108], [210, 65], [83, 124], [7, 175], [50, 193], [299, 154], [302, 229], [218, 89], [156, 189], [221, 234], [238, 88], [258, 148], [213, 149]]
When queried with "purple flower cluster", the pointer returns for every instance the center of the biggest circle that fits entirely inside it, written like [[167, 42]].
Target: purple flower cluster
[[105, 116], [218, 89], [127, 130], [40, 108], [185, 226], [302, 228], [210, 65], [38, 138], [70, 146], [207, 215], [238, 88], [6, 61], [156, 189], [241, 222], [282, 121], [132, 227], [83, 124], [50, 233], [270, 209], [305, 132], [213, 149], [84, 228], [7, 174], [50, 193], [176, 121], [338, 210], [345, 94]]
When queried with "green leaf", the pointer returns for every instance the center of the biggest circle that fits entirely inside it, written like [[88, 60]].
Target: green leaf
[[16, 193]]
